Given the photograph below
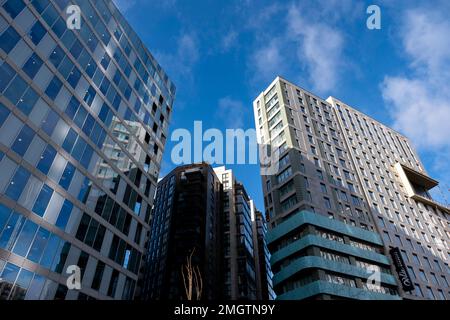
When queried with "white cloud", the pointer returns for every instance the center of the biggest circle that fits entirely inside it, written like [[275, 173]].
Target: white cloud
[[309, 46], [125, 5], [232, 112], [180, 62], [267, 60], [426, 40], [229, 40], [420, 102], [419, 110], [319, 49]]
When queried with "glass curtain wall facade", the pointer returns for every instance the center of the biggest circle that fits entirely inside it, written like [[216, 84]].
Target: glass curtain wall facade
[[245, 274], [83, 122], [186, 226], [264, 271]]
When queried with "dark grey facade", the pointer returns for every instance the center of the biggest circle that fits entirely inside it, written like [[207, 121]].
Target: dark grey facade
[[206, 211], [83, 123], [264, 271], [186, 223], [246, 272]]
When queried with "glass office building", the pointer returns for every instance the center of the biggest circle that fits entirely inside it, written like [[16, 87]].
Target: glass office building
[[83, 123]]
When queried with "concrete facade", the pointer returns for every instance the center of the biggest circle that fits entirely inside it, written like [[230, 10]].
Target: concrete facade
[[365, 178]]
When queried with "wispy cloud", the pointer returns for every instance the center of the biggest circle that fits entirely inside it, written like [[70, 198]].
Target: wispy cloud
[[125, 5], [319, 49], [309, 47], [232, 112], [229, 40], [420, 101], [180, 62], [267, 60]]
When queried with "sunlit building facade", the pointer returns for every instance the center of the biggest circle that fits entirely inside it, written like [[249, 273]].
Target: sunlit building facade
[[83, 123], [348, 191]]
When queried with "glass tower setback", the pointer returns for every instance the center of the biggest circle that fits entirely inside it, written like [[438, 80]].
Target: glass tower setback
[[83, 123]]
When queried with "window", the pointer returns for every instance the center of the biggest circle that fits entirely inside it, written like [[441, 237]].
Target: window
[[411, 272], [53, 246], [56, 56], [386, 237], [355, 200], [344, 196], [327, 202], [91, 232], [289, 203], [90, 95], [33, 65], [23, 140], [61, 257], [74, 77], [398, 241], [437, 265], [319, 174], [17, 183], [444, 281], [64, 215], [323, 188], [4, 215], [25, 238], [70, 140], [16, 89], [53, 88], [434, 279], [9, 39], [67, 176], [8, 277], [46, 160], [6, 75], [284, 175], [430, 293], [83, 226], [418, 291], [98, 275], [113, 283], [13, 7], [37, 32], [38, 246], [72, 108], [28, 100], [423, 276], [351, 187], [42, 200]]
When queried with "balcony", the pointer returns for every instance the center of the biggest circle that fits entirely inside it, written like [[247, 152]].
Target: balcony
[[323, 287], [417, 185]]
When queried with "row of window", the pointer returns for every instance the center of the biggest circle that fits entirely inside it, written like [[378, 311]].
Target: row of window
[[27, 239], [56, 57], [72, 143]]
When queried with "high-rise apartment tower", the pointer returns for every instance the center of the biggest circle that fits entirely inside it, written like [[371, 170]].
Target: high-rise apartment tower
[[205, 216], [349, 208]]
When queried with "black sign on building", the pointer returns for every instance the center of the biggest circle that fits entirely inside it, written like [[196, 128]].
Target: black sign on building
[[402, 272]]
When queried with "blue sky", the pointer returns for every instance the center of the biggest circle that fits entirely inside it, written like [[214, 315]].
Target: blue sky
[[222, 54]]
